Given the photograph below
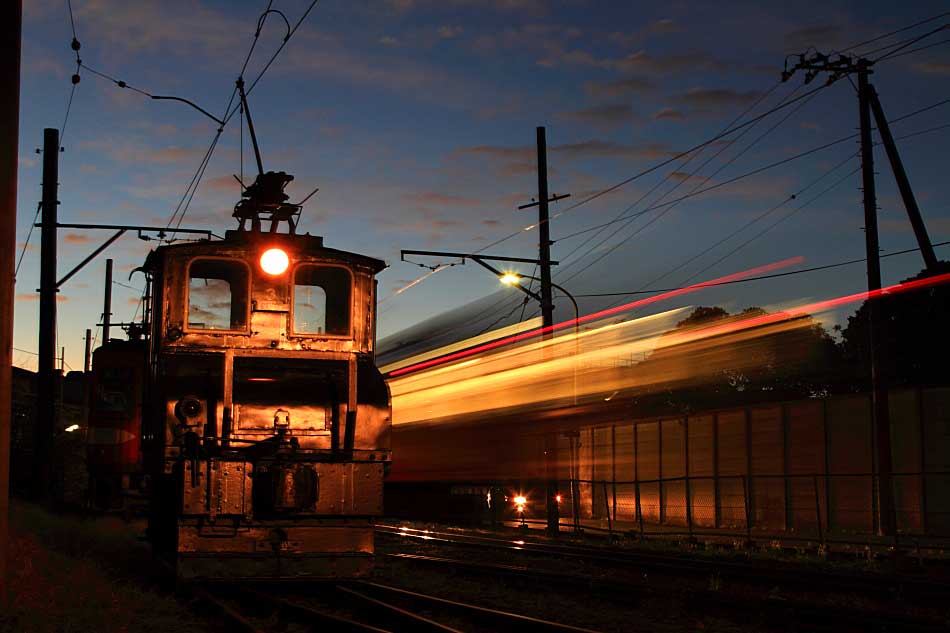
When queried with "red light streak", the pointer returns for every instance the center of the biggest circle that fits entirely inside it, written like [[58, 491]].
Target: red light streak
[[819, 306], [596, 315]]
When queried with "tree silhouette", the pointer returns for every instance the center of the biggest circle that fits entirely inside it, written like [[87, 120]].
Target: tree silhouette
[[716, 359], [913, 337]]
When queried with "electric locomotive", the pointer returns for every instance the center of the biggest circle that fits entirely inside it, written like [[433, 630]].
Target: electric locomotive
[[266, 432]]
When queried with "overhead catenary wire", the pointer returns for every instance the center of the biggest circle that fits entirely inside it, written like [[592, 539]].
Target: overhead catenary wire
[[26, 243], [699, 185], [900, 30], [783, 218], [759, 170], [627, 181], [756, 219], [901, 44], [656, 166], [670, 174], [229, 111], [911, 42], [914, 50], [787, 273]]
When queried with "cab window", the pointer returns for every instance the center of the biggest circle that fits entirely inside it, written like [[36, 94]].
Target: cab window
[[322, 300], [217, 294]]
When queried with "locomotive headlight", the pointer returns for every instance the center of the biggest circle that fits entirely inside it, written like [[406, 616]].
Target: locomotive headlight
[[520, 500], [274, 261]]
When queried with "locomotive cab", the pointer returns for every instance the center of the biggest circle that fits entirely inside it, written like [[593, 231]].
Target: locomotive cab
[[267, 432]]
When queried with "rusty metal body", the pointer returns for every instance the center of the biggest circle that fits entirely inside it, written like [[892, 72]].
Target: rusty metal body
[[266, 431]]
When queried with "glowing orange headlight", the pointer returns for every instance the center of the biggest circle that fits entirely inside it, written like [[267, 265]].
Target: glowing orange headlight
[[274, 261]]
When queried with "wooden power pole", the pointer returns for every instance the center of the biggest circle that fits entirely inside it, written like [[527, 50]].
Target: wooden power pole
[[547, 319], [46, 371], [838, 67]]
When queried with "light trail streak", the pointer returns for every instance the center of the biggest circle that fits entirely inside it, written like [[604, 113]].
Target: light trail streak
[[596, 315], [634, 358]]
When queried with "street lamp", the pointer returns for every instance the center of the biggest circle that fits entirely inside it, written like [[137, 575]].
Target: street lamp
[[514, 279]]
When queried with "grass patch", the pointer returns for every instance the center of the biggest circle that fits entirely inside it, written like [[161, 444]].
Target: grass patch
[[77, 575]]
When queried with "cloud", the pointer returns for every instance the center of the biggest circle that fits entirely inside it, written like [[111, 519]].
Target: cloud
[[603, 116], [820, 36], [26, 161], [540, 38], [620, 87], [629, 39], [705, 98], [330, 55], [402, 6], [440, 199], [222, 184], [601, 149], [422, 222], [448, 31], [932, 68], [682, 176], [124, 28], [128, 153], [669, 114], [76, 238], [521, 159], [643, 62]]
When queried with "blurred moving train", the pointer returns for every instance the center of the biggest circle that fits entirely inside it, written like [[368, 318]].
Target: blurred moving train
[[667, 423]]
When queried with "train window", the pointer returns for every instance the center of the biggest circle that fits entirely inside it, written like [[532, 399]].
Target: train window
[[322, 300], [217, 294]]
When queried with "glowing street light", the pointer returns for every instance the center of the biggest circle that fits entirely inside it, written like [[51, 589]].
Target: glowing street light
[[514, 279]]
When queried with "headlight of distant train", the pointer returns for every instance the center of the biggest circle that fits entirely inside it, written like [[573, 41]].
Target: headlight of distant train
[[274, 261]]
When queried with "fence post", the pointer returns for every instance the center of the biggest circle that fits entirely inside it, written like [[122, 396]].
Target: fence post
[[745, 504], [639, 509], [689, 510], [821, 533], [610, 523]]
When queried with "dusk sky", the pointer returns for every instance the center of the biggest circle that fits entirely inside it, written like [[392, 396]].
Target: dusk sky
[[416, 119]]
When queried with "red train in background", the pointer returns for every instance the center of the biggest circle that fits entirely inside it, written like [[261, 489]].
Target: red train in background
[[113, 438]]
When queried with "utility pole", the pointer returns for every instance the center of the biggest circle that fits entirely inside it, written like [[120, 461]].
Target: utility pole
[[46, 371], [107, 303], [86, 358], [868, 102], [10, 23], [544, 231], [547, 319], [877, 342]]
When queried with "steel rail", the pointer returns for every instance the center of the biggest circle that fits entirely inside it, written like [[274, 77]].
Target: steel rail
[[504, 618], [229, 612], [920, 588], [780, 610], [311, 615], [416, 621]]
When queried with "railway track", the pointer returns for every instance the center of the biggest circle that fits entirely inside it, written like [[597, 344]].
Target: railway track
[[779, 612], [363, 607], [913, 589]]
